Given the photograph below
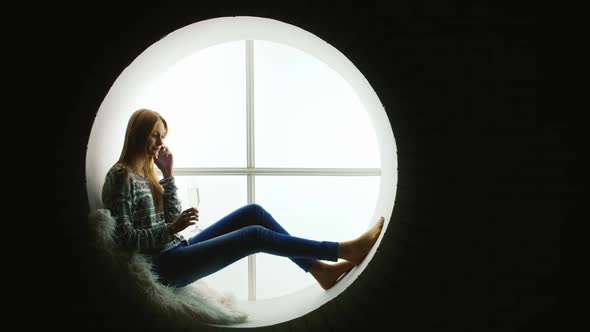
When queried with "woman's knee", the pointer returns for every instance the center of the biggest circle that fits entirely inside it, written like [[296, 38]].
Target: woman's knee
[[253, 211], [255, 208], [254, 230], [254, 235]]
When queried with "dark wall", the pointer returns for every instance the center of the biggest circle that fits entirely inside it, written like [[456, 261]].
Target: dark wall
[[474, 240]]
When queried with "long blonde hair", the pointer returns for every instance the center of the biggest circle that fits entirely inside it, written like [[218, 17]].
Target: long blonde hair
[[134, 154]]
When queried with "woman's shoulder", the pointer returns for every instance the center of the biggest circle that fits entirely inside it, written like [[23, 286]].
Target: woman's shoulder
[[118, 170], [125, 173], [120, 173], [118, 183]]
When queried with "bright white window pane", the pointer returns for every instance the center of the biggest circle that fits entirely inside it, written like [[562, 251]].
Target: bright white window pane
[[307, 115], [323, 208], [203, 99], [220, 195]]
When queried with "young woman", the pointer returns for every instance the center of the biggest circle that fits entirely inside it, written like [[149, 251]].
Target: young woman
[[148, 218]]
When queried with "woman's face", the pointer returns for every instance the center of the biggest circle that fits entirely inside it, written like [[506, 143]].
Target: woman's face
[[156, 140]]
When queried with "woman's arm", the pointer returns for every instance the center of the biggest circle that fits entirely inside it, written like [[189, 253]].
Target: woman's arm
[[172, 205], [165, 162]]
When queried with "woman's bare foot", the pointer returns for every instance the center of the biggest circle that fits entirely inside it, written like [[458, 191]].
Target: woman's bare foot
[[328, 274], [356, 250]]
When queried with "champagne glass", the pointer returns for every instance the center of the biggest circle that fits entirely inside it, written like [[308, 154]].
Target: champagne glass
[[194, 199]]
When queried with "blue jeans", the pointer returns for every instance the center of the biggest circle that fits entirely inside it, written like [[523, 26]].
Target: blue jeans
[[246, 231]]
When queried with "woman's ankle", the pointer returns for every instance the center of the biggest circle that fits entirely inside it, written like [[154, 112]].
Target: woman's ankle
[[345, 250]]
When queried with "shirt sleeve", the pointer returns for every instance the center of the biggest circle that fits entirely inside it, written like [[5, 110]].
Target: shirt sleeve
[[172, 205], [118, 197]]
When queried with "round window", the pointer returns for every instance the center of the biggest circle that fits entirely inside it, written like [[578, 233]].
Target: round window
[[262, 112]]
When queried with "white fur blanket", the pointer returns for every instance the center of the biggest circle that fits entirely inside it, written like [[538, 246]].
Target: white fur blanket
[[197, 300]]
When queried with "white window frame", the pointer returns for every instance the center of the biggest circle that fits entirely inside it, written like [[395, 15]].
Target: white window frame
[[251, 171]]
